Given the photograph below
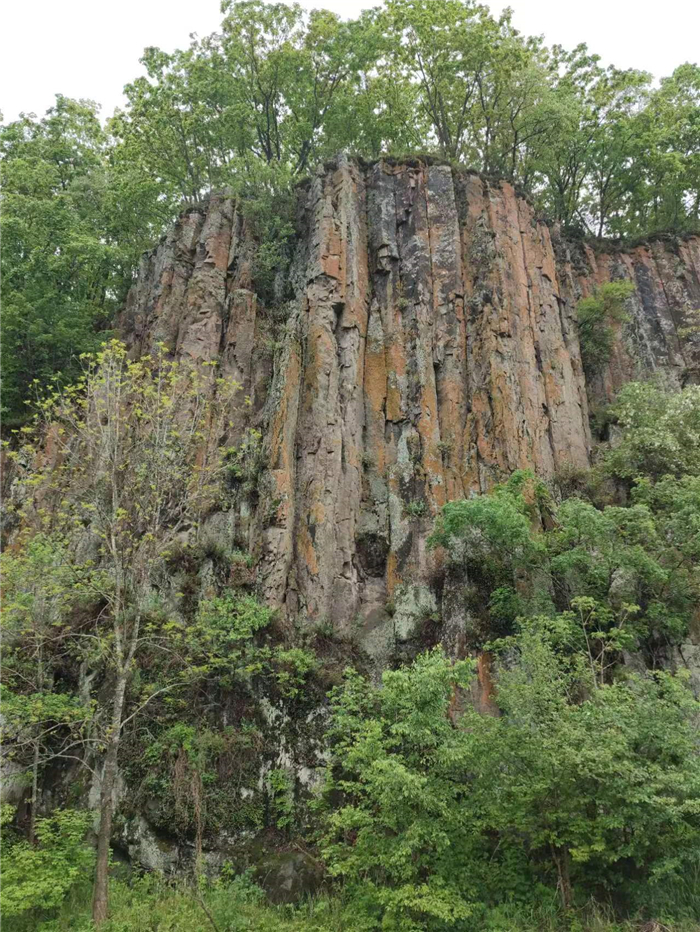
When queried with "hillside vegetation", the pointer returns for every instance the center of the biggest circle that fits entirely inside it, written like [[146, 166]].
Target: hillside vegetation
[[258, 104], [581, 787], [179, 755]]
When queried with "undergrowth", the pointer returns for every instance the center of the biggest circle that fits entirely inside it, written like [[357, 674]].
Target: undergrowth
[[150, 904]]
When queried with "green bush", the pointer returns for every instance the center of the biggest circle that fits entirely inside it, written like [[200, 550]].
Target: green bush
[[494, 530], [578, 786], [37, 879], [660, 432], [596, 316]]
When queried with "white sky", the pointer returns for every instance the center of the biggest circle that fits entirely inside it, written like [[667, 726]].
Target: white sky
[[91, 48]]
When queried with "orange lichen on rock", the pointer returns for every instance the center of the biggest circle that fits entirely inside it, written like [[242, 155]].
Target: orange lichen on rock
[[429, 348]]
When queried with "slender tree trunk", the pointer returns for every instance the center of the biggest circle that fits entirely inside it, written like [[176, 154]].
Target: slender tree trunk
[[35, 795], [109, 779], [35, 761], [561, 859]]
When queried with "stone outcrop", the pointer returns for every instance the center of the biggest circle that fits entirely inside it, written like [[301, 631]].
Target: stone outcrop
[[424, 345], [660, 334]]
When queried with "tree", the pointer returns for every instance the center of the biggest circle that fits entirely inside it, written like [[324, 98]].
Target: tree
[[402, 833], [603, 780], [667, 156], [41, 721], [73, 230], [56, 266], [38, 877], [516, 553], [265, 90], [590, 785], [137, 464], [660, 432], [496, 527], [597, 316]]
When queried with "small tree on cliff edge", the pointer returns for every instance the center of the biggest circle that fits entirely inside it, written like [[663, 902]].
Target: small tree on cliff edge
[[127, 461]]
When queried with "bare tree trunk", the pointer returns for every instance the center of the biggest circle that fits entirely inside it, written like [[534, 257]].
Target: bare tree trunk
[[35, 762], [561, 859], [35, 795], [100, 900]]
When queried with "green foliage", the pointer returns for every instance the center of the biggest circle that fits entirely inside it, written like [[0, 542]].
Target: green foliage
[[280, 789], [220, 641], [580, 785], [600, 148], [597, 314], [73, 229], [401, 837], [236, 904], [494, 531], [639, 563], [37, 879], [42, 720], [415, 509], [291, 669], [278, 90], [587, 783], [151, 902], [612, 795], [660, 432], [245, 462], [191, 780]]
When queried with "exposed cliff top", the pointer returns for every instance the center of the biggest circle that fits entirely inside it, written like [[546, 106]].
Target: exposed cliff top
[[573, 238]]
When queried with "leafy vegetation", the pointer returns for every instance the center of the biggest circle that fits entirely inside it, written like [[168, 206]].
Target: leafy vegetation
[[38, 875], [597, 315], [600, 148], [136, 652], [73, 228], [660, 432], [581, 785], [255, 106]]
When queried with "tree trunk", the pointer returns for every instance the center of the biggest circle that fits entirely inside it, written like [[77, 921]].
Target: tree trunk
[[561, 859], [35, 761], [35, 795], [109, 778]]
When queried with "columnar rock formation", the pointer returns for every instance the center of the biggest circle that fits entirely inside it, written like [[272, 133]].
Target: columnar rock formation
[[424, 345], [661, 334]]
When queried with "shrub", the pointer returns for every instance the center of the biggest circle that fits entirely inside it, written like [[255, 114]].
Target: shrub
[[36, 879], [596, 315], [579, 785], [660, 432]]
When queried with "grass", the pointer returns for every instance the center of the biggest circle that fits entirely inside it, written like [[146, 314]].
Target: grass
[[150, 904]]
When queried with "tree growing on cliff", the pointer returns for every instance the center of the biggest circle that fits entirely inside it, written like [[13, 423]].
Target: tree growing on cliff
[[598, 314], [660, 432], [257, 105], [135, 463]]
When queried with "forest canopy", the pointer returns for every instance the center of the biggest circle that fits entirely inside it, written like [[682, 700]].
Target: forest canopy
[[275, 91]]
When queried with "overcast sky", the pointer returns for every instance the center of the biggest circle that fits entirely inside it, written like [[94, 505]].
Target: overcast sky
[[91, 48]]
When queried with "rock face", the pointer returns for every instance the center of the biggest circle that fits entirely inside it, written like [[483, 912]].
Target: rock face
[[426, 348], [661, 332]]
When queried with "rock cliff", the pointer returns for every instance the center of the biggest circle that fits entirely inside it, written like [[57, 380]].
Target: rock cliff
[[423, 345]]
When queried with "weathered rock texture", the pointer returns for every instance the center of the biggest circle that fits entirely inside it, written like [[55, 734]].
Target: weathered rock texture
[[660, 334], [428, 347]]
